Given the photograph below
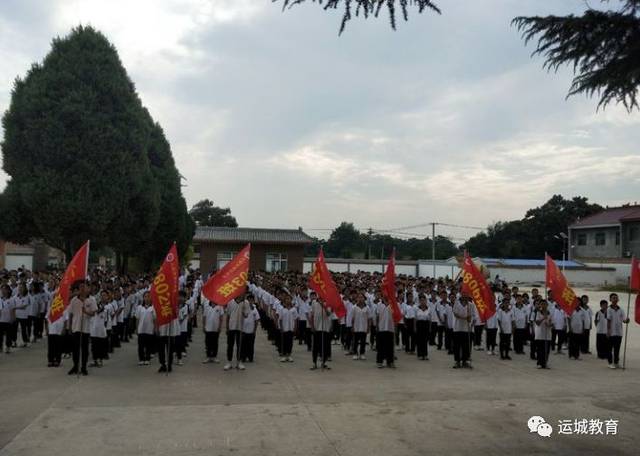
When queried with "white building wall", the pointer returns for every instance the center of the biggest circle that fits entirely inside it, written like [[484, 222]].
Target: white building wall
[[594, 277]]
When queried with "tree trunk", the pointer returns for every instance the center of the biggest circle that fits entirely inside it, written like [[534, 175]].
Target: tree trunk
[[118, 261]]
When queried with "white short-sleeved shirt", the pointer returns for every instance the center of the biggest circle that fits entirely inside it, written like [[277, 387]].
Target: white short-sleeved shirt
[[6, 308], [601, 322], [559, 318], [55, 328], [409, 311], [587, 315], [385, 318], [616, 318], [423, 315], [321, 317], [576, 321], [287, 318], [492, 321], [183, 317], [360, 318], [541, 326], [236, 313], [460, 313], [250, 322], [98, 324], [520, 316], [81, 322], [22, 305], [212, 317], [505, 320], [145, 317]]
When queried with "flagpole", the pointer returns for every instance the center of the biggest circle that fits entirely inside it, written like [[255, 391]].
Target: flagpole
[[626, 329], [546, 297]]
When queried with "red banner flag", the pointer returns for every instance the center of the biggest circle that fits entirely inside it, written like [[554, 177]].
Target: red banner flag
[[634, 284], [76, 270], [230, 281], [475, 285], [164, 289], [389, 288], [637, 309], [322, 283], [557, 283]]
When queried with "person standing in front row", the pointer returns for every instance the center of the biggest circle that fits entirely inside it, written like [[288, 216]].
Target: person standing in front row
[[236, 313], [81, 308], [543, 323], [576, 331], [320, 320], [463, 315], [249, 327], [615, 319], [146, 317], [211, 323], [360, 326], [7, 312], [287, 322], [385, 336], [505, 325], [601, 322], [588, 319], [423, 321]]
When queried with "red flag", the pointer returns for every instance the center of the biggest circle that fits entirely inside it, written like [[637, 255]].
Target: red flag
[[322, 283], [76, 270], [164, 289], [638, 309], [557, 283], [635, 274], [389, 288], [230, 281], [475, 285]]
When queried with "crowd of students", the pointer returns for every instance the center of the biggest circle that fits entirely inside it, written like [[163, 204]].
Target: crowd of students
[[109, 310]]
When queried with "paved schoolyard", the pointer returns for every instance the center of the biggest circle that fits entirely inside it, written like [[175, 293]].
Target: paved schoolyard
[[285, 409]]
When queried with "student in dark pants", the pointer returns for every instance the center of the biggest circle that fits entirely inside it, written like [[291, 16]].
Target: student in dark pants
[[249, 328], [320, 321], [616, 318], [576, 332], [602, 341], [542, 334], [81, 308], [422, 322], [588, 319], [385, 336], [462, 327], [145, 317]]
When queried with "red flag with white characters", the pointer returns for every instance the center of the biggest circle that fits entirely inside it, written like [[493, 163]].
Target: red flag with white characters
[[164, 289], [230, 281], [475, 285], [77, 270], [389, 287], [557, 283], [322, 283]]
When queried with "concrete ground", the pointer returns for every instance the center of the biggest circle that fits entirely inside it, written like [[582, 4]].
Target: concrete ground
[[423, 407]]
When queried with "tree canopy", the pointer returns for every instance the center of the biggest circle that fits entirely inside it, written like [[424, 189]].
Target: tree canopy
[[205, 213], [78, 148]]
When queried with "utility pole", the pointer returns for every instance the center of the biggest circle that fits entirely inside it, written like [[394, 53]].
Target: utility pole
[[433, 247]]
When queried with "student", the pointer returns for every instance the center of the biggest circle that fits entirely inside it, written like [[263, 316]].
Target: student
[[448, 333], [588, 319], [55, 330], [320, 320], [236, 313], [184, 317], [7, 312], [98, 331], [409, 313], [167, 345], [287, 322], [576, 331], [81, 308], [22, 307], [505, 325], [441, 314], [304, 333], [615, 319], [602, 342], [360, 325], [559, 318], [249, 327], [520, 325], [385, 336], [542, 333], [463, 314], [211, 323], [422, 322], [145, 316], [491, 326]]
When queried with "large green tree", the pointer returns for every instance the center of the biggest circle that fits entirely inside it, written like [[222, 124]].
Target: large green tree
[[76, 148], [205, 213]]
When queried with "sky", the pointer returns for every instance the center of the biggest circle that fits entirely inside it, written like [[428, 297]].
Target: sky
[[448, 119]]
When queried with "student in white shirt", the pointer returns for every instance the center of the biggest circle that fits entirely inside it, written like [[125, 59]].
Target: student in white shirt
[[22, 306], [184, 316], [81, 308], [146, 318], [249, 327], [409, 314], [543, 324], [505, 327], [211, 323], [360, 326], [385, 336], [491, 327], [236, 313], [559, 333], [462, 328], [166, 338], [615, 320], [7, 312], [588, 319], [422, 323], [287, 321], [576, 331], [320, 320], [601, 322], [98, 331], [55, 338]]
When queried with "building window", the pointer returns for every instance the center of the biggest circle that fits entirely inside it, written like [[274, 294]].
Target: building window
[[582, 239], [601, 239], [276, 262], [223, 258], [634, 233], [617, 237]]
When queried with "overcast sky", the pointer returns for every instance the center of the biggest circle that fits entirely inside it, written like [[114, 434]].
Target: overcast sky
[[447, 119]]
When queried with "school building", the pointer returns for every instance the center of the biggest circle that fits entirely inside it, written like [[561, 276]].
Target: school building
[[35, 256], [271, 249]]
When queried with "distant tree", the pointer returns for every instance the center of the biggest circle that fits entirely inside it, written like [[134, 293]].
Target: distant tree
[[368, 8], [205, 213], [345, 241], [602, 47]]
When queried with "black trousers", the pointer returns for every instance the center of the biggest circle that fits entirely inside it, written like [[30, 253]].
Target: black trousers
[[433, 332], [247, 349], [440, 336], [14, 333], [491, 338], [80, 344], [145, 342], [584, 342], [519, 337], [505, 344], [543, 348], [287, 343], [54, 348], [302, 329], [211, 339], [422, 338], [409, 336], [574, 345], [372, 337], [37, 323], [602, 346], [558, 338], [233, 339], [181, 344], [461, 349], [98, 348], [399, 334], [166, 349], [321, 346], [25, 329], [477, 335], [385, 347], [359, 342], [614, 349], [5, 335]]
